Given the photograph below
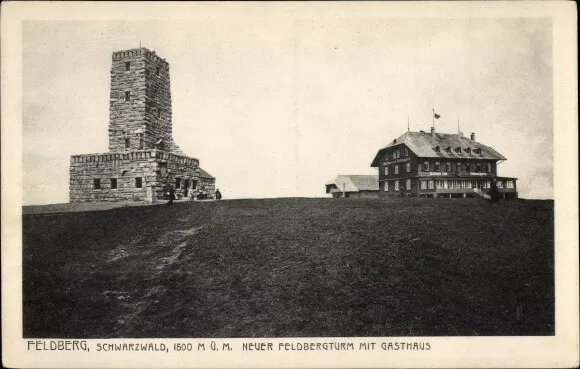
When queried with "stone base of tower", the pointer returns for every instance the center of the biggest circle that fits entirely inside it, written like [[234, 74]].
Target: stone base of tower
[[141, 175]]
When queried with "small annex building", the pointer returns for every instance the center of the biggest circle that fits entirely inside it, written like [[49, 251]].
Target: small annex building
[[354, 186], [430, 164]]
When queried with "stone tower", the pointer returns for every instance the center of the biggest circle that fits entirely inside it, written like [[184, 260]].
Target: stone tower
[[140, 102], [143, 161]]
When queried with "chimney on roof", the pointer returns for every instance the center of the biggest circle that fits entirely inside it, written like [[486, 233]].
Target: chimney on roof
[[432, 132], [472, 136]]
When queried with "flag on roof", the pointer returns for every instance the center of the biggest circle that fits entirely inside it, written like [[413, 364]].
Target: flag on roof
[[437, 116]]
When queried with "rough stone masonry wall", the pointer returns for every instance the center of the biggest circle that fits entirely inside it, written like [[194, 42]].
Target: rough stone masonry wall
[[177, 166], [208, 185], [125, 167], [147, 82], [158, 115]]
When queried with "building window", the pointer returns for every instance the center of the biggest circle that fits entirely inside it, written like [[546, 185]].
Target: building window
[[437, 166], [489, 167], [194, 184], [425, 166], [406, 152], [97, 183], [127, 65], [431, 184], [138, 182], [127, 95], [157, 71], [454, 184], [141, 141], [509, 184], [466, 184], [386, 170], [459, 167], [177, 182], [448, 167], [423, 185], [113, 183], [467, 168], [386, 185], [396, 169], [485, 184], [408, 167], [127, 143], [499, 184], [408, 184], [439, 184], [396, 185], [478, 168]]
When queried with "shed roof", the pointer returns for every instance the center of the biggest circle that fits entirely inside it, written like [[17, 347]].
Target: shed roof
[[424, 145], [204, 174], [356, 183]]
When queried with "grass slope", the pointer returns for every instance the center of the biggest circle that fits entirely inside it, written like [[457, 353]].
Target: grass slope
[[292, 267]]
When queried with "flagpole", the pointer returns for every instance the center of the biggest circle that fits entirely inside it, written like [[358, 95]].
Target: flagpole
[[408, 119], [433, 117]]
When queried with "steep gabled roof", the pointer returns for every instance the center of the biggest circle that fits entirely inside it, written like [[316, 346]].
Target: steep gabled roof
[[443, 145], [355, 183], [204, 174]]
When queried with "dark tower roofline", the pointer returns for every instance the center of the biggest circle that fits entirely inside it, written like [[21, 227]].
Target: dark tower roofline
[[131, 53]]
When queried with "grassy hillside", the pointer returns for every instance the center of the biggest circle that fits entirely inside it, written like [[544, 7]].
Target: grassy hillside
[[292, 267]]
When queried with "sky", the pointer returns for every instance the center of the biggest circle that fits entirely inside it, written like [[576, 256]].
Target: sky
[[276, 107]]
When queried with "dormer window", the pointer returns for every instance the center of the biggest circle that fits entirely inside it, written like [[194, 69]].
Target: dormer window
[[437, 149], [448, 149], [468, 150], [458, 150], [477, 151]]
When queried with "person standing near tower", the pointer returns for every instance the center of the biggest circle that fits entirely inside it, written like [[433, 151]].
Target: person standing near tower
[[218, 194]]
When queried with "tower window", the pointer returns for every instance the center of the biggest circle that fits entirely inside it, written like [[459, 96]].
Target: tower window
[[113, 183], [127, 143], [157, 70], [138, 182], [146, 72], [158, 113], [97, 183], [194, 184], [177, 182], [127, 95], [127, 65]]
